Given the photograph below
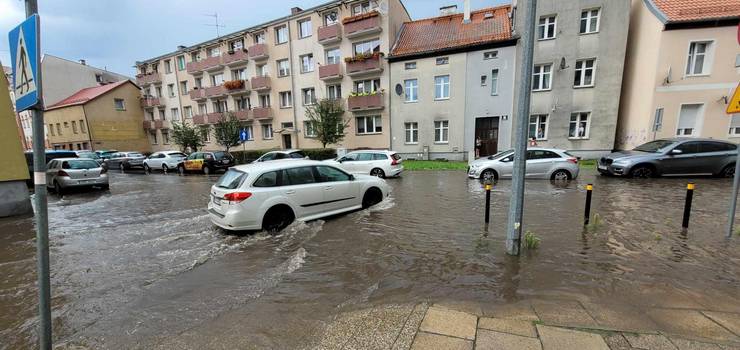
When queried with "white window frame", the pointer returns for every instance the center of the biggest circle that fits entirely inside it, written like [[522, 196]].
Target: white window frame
[[411, 90], [326, 17], [439, 87], [658, 119], [490, 55], [175, 112], [494, 81], [188, 111], [334, 91], [309, 130], [544, 28], [691, 59], [250, 132], [333, 55], [171, 90], [442, 60], [289, 101], [734, 131], [589, 19], [698, 122], [377, 121], [306, 66], [267, 131], [301, 33], [440, 126], [578, 122], [542, 74], [411, 129], [278, 34], [239, 74], [308, 96], [409, 65], [217, 79], [283, 71], [582, 71], [537, 123], [123, 104]]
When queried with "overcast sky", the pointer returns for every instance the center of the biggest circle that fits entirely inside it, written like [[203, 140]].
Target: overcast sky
[[115, 34]]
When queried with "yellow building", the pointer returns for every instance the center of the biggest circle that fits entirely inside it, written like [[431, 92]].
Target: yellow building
[[102, 117], [14, 172]]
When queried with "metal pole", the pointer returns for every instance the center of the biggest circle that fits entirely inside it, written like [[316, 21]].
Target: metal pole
[[687, 205], [516, 205], [733, 200], [40, 201], [488, 202], [587, 213]]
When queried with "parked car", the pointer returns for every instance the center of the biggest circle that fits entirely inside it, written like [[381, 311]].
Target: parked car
[[165, 160], [376, 163], [284, 154], [89, 155], [105, 154], [65, 173], [49, 155], [543, 163], [673, 156], [206, 162], [125, 160], [270, 195]]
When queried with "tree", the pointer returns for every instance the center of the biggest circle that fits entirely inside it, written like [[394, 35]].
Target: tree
[[226, 130], [187, 136], [325, 118]]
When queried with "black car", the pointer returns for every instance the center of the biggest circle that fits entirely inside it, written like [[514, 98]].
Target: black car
[[206, 162]]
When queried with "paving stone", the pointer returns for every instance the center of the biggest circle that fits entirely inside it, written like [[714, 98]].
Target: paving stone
[[728, 320], [448, 322], [427, 341], [690, 324], [490, 340], [621, 318], [406, 337], [462, 306], [617, 341], [381, 327], [521, 310], [684, 344], [518, 327], [563, 313], [650, 341], [554, 338]]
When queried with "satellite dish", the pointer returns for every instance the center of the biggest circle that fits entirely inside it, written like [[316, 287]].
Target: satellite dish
[[399, 89]]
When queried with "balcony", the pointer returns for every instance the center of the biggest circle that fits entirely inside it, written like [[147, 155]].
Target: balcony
[[236, 87], [258, 52], [262, 112], [242, 115], [149, 102], [330, 71], [363, 24], [365, 103], [366, 66], [235, 58], [260, 83], [197, 94], [330, 34], [199, 119], [162, 124], [148, 78], [147, 124], [213, 118], [208, 64], [214, 91]]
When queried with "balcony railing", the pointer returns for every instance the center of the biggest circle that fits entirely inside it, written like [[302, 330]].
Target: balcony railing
[[330, 71], [149, 78], [235, 58], [197, 94], [243, 114], [367, 66], [149, 102], [213, 118], [215, 91], [147, 124], [330, 34], [363, 24], [261, 83], [262, 112], [199, 119], [258, 52], [366, 102], [162, 124], [208, 64]]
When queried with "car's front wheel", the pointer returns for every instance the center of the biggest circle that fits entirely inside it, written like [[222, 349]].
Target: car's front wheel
[[147, 169], [488, 175], [642, 172], [165, 168], [277, 218], [372, 197], [560, 175]]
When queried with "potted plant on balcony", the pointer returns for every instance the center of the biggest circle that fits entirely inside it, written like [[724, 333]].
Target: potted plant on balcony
[[363, 56], [360, 17], [234, 84]]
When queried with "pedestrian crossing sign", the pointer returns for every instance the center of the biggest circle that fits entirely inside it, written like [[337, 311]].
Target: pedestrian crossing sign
[[24, 59], [734, 105]]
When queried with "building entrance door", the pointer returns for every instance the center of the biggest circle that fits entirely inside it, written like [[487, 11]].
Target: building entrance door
[[486, 135], [287, 144]]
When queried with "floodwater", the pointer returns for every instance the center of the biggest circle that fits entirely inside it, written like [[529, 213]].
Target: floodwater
[[141, 265]]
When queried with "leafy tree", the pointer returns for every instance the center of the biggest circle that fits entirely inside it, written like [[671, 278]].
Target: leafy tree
[[187, 136], [326, 119], [226, 130]]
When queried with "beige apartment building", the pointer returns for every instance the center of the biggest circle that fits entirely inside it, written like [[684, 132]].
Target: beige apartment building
[[683, 64], [268, 73]]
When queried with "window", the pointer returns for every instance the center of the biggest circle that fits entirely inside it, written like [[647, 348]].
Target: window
[[658, 121], [119, 104], [304, 28], [188, 111], [483, 80], [194, 57], [82, 126], [589, 21], [441, 131], [236, 45], [443, 60], [165, 137], [310, 129], [153, 137], [687, 119], [442, 87], [412, 132], [281, 34], [299, 176], [250, 133], [306, 63], [369, 125], [698, 62], [409, 65], [366, 47], [99, 78], [309, 96], [74, 126], [541, 77], [259, 38], [286, 99], [214, 51], [411, 90], [268, 179], [239, 74], [283, 68], [158, 91], [538, 126], [264, 100], [361, 7], [202, 109], [199, 82], [205, 131], [242, 103], [171, 90], [494, 82], [167, 66], [334, 92], [579, 125], [181, 62], [59, 129], [263, 70], [584, 76], [267, 131], [330, 174], [367, 85], [546, 27], [333, 56], [490, 55], [217, 79], [219, 106], [330, 18], [183, 87], [735, 125], [175, 112]]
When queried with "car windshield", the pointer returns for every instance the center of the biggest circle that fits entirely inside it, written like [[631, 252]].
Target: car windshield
[[654, 146], [231, 179], [80, 164], [135, 154]]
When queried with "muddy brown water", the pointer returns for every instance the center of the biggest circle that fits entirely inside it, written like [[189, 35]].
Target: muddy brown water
[[142, 264]]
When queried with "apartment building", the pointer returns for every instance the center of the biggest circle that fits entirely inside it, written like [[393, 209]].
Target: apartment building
[[579, 55], [14, 199], [267, 74], [454, 80], [683, 64]]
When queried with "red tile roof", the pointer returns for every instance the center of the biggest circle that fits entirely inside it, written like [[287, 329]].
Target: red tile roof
[[697, 10], [447, 32], [87, 94]]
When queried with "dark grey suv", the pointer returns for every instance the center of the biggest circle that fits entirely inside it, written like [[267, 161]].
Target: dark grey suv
[[675, 156]]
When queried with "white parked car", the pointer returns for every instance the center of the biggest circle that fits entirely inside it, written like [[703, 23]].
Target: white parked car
[[283, 154], [270, 195], [164, 161], [544, 163], [375, 163]]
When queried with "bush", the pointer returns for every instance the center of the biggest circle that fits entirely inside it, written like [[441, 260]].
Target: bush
[[320, 153], [248, 156]]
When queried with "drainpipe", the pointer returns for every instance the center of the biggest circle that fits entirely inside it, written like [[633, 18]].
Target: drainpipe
[[292, 86], [390, 102]]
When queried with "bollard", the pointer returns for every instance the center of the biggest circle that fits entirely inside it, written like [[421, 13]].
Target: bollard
[[587, 213], [488, 187], [687, 206]]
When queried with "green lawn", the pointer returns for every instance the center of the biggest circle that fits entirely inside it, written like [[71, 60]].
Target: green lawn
[[415, 165], [587, 164]]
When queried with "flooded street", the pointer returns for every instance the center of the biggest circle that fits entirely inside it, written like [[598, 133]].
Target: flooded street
[[142, 263]]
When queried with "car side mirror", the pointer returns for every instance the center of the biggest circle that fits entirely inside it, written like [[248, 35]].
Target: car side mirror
[[351, 177], [676, 151], [506, 160]]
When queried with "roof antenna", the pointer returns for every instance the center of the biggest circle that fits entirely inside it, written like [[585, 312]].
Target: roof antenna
[[215, 15]]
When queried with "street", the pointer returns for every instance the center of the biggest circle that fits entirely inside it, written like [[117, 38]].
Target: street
[[141, 264]]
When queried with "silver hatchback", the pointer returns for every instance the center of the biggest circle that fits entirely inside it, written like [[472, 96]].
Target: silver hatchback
[[64, 173], [542, 163]]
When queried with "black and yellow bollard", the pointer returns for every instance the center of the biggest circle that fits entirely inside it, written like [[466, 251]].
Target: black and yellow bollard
[[687, 206], [587, 213], [488, 187]]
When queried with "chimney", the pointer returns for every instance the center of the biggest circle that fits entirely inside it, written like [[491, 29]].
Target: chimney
[[466, 9], [448, 10], [82, 62], [295, 10]]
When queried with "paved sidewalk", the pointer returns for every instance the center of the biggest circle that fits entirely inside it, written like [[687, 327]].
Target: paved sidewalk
[[532, 325]]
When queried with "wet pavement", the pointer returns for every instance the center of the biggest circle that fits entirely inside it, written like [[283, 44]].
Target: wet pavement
[[141, 266]]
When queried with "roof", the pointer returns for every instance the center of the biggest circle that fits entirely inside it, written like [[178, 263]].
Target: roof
[[682, 11], [87, 94], [486, 25]]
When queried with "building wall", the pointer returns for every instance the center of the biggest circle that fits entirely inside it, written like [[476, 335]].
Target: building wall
[[55, 119], [14, 199]]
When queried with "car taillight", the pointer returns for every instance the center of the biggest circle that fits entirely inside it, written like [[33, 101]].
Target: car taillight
[[573, 160], [236, 197], [62, 173]]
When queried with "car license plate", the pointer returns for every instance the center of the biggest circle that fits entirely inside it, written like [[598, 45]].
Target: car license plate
[[216, 200], [601, 167], [225, 161]]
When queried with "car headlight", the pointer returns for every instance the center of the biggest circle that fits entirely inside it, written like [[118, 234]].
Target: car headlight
[[620, 162]]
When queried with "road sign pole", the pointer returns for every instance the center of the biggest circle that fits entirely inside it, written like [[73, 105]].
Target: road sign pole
[[733, 198]]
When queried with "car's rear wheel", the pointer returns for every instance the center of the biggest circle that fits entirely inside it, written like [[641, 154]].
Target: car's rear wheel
[[377, 172], [147, 169], [561, 175], [488, 175], [58, 189], [372, 197], [277, 218], [121, 167], [728, 171], [642, 172]]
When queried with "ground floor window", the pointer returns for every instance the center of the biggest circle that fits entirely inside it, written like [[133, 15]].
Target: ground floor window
[[250, 132], [205, 131], [538, 126], [369, 125], [412, 133], [267, 131], [579, 123], [310, 129], [442, 131], [735, 125], [166, 137], [153, 137], [687, 119]]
